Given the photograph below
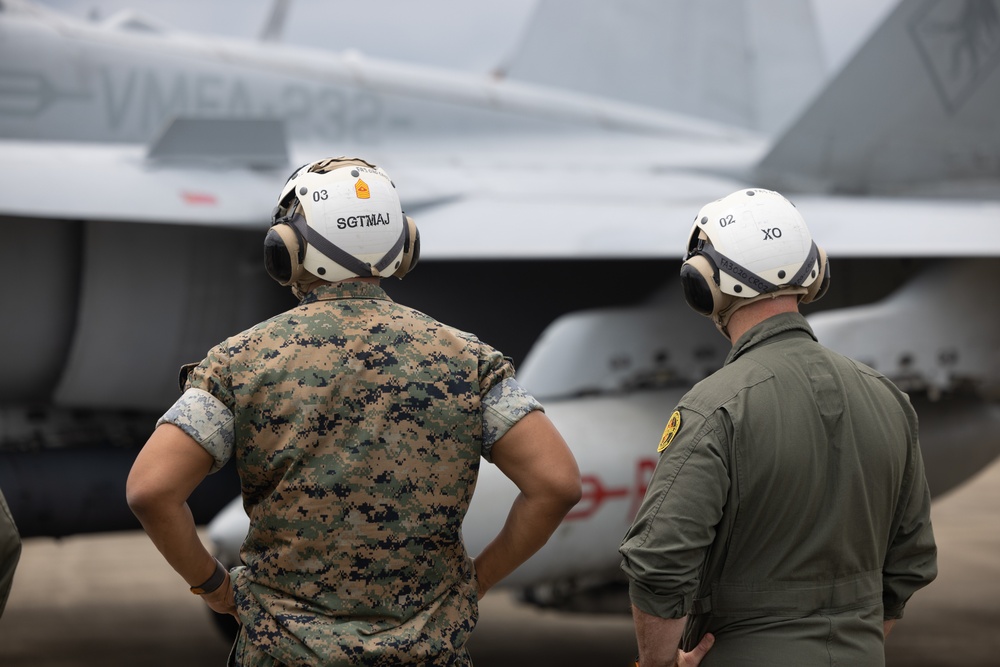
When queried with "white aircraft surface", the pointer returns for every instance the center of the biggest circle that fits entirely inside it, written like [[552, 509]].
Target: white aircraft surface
[[140, 166]]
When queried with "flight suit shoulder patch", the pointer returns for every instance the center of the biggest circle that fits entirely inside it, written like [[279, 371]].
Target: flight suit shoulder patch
[[673, 425]]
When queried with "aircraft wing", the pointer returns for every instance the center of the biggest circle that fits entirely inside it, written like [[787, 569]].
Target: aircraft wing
[[645, 213], [534, 205], [83, 181], [549, 173]]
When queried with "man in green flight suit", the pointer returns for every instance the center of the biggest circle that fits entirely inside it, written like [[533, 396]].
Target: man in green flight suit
[[357, 426], [789, 516], [10, 551]]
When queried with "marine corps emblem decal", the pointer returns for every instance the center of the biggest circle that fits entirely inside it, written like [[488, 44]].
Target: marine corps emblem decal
[[670, 431]]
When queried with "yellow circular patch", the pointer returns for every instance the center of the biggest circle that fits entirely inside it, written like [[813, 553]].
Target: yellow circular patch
[[670, 431]]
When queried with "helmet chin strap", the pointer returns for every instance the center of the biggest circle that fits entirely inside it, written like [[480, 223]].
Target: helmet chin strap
[[338, 255], [758, 283], [765, 288]]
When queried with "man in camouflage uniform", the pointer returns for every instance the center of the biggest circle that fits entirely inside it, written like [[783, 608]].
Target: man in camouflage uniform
[[357, 426], [788, 518]]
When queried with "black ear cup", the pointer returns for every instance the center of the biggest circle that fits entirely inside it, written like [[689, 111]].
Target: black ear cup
[[283, 253], [822, 283], [411, 247], [698, 281]]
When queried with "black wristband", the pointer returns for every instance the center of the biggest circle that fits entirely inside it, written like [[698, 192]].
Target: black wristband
[[213, 582]]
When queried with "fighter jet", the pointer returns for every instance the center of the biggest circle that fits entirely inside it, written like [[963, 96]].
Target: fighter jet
[[140, 166]]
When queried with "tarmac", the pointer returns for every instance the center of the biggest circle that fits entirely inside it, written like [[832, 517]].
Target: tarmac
[[111, 600]]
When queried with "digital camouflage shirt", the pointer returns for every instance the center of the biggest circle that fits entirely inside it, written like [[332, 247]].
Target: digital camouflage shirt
[[357, 426]]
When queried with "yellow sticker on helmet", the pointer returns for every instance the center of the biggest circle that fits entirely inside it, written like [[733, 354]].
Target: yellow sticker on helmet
[[670, 431], [361, 189]]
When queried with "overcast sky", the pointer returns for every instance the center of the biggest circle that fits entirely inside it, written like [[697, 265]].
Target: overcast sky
[[471, 35]]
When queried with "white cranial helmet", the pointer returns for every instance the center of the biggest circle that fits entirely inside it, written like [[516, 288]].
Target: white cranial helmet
[[750, 244], [336, 219]]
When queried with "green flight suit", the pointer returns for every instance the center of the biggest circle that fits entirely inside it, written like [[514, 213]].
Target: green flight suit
[[10, 551], [789, 515]]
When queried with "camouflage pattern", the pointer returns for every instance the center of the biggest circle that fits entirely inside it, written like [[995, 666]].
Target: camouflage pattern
[[357, 427], [790, 514], [206, 419], [505, 404], [245, 654]]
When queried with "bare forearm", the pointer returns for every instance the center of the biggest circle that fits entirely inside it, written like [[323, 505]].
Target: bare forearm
[[658, 638], [887, 626], [166, 471], [164, 474], [534, 456], [529, 525], [172, 530]]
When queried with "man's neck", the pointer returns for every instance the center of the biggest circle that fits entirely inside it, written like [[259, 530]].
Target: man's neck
[[753, 314]]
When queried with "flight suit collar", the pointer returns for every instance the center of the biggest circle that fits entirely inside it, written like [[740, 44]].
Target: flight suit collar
[[347, 289], [777, 327]]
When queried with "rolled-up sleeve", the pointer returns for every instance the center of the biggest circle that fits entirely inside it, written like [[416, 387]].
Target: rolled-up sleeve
[[666, 545], [503, 406], [504, 401], [207, 420]]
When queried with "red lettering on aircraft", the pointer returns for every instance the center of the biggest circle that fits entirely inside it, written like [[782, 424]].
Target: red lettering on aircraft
[[198, 198], [595, 493]]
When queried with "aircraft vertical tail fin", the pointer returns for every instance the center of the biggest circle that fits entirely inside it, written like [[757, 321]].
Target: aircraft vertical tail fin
[[915, 111], [274, 27], [749, 63]]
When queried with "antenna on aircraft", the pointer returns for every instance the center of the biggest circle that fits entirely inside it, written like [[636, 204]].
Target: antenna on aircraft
[[275, 25]]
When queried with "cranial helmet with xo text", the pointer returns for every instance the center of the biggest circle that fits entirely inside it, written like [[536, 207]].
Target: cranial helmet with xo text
[[750, 245]]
